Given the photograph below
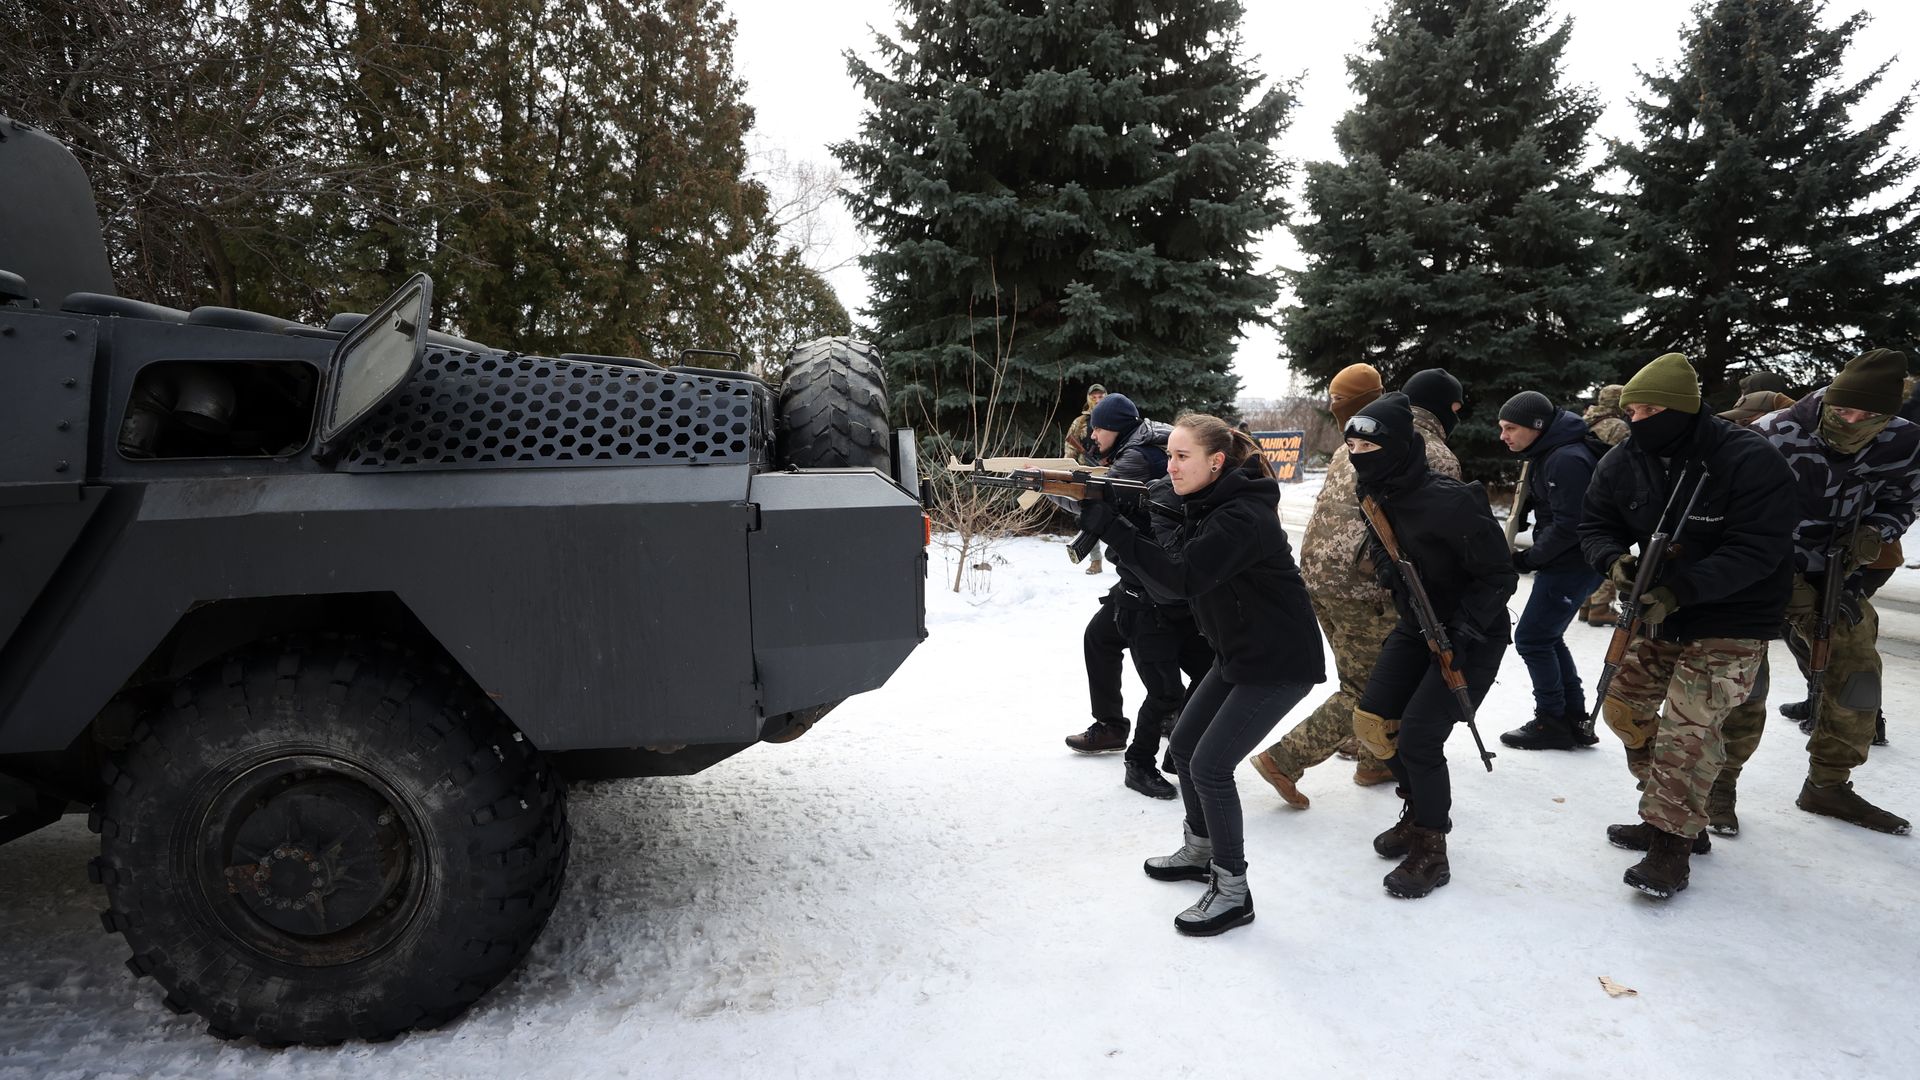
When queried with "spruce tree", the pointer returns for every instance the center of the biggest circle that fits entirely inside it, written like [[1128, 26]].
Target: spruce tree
[[1763, 228], [1068, 190], [1460, 229]]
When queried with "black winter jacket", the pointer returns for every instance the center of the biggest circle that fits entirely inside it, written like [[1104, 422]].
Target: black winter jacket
[[1563, 461], [1732, 566], [1164, 526], [1231, 561], [1447, 530]]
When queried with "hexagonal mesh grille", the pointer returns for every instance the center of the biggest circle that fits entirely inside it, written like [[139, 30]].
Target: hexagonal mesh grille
[[485, 409]]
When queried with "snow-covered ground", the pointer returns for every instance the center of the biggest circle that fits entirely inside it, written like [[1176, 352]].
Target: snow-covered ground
[[931, 885]]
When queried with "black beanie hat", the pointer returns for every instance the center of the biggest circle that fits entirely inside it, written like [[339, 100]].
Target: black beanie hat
[[1115, 412], [1529, 409], [1872, 381], [1435, 391]]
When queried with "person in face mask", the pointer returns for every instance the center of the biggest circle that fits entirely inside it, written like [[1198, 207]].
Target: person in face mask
[[1355, 613], [1436, 397], [1849, 453], [1446, 530], [1709, 613]]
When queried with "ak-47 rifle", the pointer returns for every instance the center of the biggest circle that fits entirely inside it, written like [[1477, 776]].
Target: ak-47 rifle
[[1654, 552], [1431, 627], [1520, 493], [1081, 486], [1832, 590]]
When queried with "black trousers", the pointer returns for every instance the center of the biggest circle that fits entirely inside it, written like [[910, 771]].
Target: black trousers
[[1220, 726], [1406, 684], [1164, 645], [1105, 648]]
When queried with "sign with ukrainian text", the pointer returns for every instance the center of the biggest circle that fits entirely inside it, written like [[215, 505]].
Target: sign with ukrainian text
[[1285, 451]]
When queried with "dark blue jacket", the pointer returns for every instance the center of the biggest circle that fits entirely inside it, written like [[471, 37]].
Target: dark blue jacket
[[1563, 462]]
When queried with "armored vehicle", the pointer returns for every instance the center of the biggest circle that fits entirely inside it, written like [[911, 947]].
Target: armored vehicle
[[318, 621]]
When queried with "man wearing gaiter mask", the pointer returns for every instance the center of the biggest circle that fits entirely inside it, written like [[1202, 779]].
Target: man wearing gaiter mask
[[1406, 712], [1848, 452], [1709, 613], [1355, 613]]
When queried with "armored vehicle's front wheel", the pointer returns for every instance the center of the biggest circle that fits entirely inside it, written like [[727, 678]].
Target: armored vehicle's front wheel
[[833, 406], [328, 838]]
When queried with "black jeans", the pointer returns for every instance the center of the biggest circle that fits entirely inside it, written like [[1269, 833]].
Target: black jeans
[[1406, 684], [1105, 646], [1220, 726], [1164, 646]]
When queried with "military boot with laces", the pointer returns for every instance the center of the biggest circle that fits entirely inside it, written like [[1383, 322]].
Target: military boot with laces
[[1187, 864], [1664, 871], [1840, 801], [1425, 867], [1546, 731], [1396, 841], [1226, 904], [1640, 837], [1720, 816]]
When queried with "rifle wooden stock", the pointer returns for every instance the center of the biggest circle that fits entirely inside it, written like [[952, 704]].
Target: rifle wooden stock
[[1075, 484], [1431, 627], [1652, 554]]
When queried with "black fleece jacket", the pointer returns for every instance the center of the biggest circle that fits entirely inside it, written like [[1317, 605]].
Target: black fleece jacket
[[1448, 532], [1230, 560], [1563, 462], [1732, 563]]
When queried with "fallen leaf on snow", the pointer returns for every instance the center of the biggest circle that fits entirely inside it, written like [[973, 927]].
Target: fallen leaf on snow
[[1559, 798], [1614, 989]]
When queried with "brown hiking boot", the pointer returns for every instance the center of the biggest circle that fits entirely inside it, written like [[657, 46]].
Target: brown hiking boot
[[1394, 843], [1599, 615], [1720, 816], [1349, 750], [1840, 801], [1664, 871], [1640, 838], [1101, 737], [1271, 772], [1425, 867], [1372, 777]]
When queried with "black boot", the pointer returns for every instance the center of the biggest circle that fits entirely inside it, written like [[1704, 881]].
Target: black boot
[[1103, 737], [1397, 841], [1582, 722], [1546, 731], [1880, 729], [1720, 814], [1796, 710], [1425, 867], [1640, 838], [1664, 871], [1145, 779]]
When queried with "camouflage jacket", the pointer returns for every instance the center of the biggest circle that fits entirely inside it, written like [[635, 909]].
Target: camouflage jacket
[[1828, 484], [1337, 533]]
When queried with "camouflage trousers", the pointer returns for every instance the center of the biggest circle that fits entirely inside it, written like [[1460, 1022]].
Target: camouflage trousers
[[1844, 732], [1355, 631], [1676, 752], [1743, 727]]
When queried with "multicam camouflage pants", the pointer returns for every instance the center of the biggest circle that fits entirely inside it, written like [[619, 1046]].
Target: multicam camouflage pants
[[1355, 631], [1841, 737], [1741, 731], [1675, 753]]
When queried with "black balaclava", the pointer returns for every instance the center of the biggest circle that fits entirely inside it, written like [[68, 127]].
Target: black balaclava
[[1663, 433], [1435, 391], [1388, 422]]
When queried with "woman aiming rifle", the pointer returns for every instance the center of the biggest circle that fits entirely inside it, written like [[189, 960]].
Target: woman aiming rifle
[[1230, 560], [1446, 531]]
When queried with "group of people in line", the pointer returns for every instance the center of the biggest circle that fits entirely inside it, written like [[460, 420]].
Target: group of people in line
[[1766, 504]]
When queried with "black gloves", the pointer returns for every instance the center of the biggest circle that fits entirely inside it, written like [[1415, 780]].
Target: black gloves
[[1520, 562], [1097, 517]]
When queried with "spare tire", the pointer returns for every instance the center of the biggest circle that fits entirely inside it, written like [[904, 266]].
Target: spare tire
[[833, 407]]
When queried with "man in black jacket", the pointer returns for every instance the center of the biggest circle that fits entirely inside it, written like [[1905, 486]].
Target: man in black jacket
[[1562, 456], [1710, 611]]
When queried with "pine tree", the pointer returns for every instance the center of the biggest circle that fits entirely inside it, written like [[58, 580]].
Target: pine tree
[[1070, 191], [1460, 230], [1762, 227]]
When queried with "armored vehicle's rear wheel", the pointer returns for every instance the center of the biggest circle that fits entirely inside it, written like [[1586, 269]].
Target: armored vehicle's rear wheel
[[328, 838], [833, 406]]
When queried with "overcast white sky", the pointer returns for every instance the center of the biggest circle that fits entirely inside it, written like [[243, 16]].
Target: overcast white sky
[[789, 55]]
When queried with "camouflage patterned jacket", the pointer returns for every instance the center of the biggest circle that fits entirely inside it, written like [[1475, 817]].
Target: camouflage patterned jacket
[[1330, 552], [1887, 469]]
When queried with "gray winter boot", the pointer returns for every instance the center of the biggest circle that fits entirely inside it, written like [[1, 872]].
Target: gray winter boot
[[1190, 863], [1226, 904]]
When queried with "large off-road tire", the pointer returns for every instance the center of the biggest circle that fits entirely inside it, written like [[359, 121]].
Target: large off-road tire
[[328, 837], [833, 406]]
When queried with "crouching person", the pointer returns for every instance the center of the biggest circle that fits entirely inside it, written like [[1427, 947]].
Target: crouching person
[[1447, 531], [1708, 611], [1231, 562]]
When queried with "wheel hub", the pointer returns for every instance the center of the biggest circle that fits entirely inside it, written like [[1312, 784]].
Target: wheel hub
[[311, 860]]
